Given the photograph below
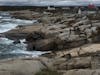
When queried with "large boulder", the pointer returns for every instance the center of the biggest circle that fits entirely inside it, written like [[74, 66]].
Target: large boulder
[[52, 30], [22, 32], [45, 45], [31, 37]]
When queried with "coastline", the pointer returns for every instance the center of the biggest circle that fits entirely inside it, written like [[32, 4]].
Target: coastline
[[72, 40]]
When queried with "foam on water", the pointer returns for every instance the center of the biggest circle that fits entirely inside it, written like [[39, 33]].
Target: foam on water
[[4, 27], [10, 50], [8, 24], [5, 41], [32, 53], [19, 21], [7, 48]]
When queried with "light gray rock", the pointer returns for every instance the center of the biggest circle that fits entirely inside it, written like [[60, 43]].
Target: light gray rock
[[26, 66]]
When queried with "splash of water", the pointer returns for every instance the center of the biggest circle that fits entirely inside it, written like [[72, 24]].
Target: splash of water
[[7, 48]]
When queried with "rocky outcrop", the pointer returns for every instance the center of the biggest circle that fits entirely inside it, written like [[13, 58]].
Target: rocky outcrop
[[86, 50], [22, 32], [25, 14], [66, 36], [70, 38], [74, 63], [57, 32], [83, 72], [78, 61]]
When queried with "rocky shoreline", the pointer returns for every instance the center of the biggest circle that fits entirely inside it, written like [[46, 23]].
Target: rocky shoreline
[[72, 39], [57, 32]]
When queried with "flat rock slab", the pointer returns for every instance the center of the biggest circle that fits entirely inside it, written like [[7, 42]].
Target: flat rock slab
[[22, 32], [86, 50], [20, 67]]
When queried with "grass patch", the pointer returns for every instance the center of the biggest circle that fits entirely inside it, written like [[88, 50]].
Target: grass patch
[[48, 72]]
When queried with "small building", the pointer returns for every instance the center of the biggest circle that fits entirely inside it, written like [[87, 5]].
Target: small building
[[51, 8]]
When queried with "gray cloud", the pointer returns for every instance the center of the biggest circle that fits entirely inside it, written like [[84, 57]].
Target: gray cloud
[[48, 2]]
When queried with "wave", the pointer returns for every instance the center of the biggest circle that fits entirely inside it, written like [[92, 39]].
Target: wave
[[7, 48]]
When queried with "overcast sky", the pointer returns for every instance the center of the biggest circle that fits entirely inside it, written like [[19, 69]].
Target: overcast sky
[[48, 2]]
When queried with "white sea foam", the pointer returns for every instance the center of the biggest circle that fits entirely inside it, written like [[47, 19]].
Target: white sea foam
[[8, 24], [17, 49], [5, 41], [4, 27], [6, 45], [31, 53]]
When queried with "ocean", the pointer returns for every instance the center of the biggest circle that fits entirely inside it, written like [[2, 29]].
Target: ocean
[[7, 48]]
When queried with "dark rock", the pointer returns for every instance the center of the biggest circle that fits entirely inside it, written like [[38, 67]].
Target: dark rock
[[34, 36], [45, 45], [16, 42], [31, 46]]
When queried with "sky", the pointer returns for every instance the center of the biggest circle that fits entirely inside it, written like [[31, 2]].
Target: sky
[[48, 2]]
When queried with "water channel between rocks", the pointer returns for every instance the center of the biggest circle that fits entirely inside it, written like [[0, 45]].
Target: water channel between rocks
[[7, 48]]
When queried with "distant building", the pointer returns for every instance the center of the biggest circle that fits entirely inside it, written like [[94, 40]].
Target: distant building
[[51, 8], [91, 6]]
